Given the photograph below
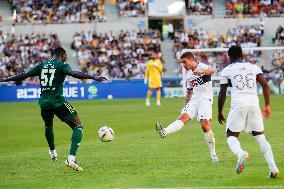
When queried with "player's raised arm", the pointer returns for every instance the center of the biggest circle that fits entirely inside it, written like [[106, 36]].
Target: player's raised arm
[[81, 75], [266, 93], [23, 75]]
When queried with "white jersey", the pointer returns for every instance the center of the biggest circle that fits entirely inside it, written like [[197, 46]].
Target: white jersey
[[241, 77], [200, 84]]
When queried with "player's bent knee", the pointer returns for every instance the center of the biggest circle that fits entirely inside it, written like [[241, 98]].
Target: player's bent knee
[[206, 125], [231, 133], [255, 133]]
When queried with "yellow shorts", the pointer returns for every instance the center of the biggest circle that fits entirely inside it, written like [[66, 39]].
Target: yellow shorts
[[155, 83]]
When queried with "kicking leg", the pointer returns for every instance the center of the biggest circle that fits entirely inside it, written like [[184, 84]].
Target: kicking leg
[[173, 127]]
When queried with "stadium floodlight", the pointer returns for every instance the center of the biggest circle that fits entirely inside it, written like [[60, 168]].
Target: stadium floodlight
[[176, 7]]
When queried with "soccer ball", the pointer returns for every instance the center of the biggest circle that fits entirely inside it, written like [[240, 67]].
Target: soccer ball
[[106, 134]]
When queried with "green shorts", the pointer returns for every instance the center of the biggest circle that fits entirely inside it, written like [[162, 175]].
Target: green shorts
[[65, 113]]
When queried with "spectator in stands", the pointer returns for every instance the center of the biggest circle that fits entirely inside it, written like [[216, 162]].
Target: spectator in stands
[[131, 8], [245, 8], [71, 11], [199, 7], [19, 53], [121, 55]]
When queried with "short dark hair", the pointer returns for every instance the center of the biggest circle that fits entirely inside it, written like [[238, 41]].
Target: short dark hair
[[235, 52], [186, 55], [57, 52]]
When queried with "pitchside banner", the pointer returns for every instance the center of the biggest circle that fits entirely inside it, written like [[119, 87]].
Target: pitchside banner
[[115, 89]]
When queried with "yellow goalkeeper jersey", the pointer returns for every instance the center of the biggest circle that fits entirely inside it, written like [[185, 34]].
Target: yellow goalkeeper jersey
[[154, 68]]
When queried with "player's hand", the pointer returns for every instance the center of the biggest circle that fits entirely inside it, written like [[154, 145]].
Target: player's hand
[[100, 79], [145, 81], [266, 112], [221, 118], [197, 72]]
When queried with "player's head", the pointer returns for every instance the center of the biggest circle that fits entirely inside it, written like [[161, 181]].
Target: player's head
[[60, 54], [154, 56], [187, 61], [235, 53]]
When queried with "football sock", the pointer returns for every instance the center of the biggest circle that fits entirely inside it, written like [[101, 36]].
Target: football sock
[[76, 139], [159, 95], [235, 146], [149, 94], [210, 140], [174, 127], [49, 135], [266, 150]]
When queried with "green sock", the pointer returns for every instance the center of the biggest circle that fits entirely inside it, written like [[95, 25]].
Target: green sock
[[76, 139], [50, 137]]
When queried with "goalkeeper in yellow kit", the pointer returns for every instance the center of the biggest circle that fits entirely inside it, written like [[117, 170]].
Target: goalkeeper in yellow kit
[[153, 72]]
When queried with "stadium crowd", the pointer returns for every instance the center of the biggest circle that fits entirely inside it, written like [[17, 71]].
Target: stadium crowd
[[245, 36], [121, 55], [199, 7], [131, 8], [251, 8], [278, 55], [19, 53], [59, 11]]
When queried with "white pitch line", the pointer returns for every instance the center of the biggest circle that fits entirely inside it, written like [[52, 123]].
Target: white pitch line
[[216, 187]]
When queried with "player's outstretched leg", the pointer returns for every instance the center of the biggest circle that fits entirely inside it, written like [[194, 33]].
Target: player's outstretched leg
[[268, 155], [49, 135], [76, 139]]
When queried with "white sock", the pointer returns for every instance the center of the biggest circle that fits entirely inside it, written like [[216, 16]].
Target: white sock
[[267, 151], [235, 146], [210, 140], [71, 158], [174, 127]]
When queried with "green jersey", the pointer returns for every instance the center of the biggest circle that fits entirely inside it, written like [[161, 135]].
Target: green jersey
[[52, 74]]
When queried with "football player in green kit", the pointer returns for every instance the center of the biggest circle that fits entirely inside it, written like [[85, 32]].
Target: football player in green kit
[[52, 74]]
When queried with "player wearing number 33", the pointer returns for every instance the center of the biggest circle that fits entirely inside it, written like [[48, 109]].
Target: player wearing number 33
[[245, 114], [52, 74]]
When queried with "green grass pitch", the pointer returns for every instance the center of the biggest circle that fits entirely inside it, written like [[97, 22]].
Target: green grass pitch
[[137, 157]]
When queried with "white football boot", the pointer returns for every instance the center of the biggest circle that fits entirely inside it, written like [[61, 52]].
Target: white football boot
[[53, 155], [148, 102], [158, 103], [71, 162], [214, 158], [274, 173]]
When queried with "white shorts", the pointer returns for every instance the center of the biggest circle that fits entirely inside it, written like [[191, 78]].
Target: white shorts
[[246, 119], [198, 109]]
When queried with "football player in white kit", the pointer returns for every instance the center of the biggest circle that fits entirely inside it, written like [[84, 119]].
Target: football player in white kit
[[199, 100], [245, 114]]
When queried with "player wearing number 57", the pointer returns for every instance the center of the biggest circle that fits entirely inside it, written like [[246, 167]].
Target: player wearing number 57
[[52, 74]]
